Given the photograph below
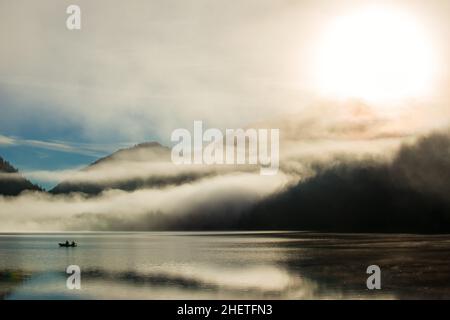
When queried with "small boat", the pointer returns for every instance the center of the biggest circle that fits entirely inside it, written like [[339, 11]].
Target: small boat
[[67, 245]]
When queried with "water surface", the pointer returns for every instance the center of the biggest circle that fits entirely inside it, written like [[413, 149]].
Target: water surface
[[224, 265]]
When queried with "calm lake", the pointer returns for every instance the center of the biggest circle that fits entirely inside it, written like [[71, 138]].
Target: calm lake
[[224, 265]]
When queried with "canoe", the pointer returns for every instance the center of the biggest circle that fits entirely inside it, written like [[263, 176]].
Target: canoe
[[67, 245]]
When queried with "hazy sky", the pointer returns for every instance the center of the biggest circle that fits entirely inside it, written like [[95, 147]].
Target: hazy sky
[[139, 69], [344, 81]]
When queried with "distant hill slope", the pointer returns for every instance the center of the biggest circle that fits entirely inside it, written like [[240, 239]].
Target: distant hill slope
[[147, 151], [409, 194], [12, 182], [123, 160]]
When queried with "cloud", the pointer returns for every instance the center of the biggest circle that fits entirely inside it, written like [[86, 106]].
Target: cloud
[[13, 176], [90, 149], [351, 129], [6, 141], [111, 173], [406, 194], [176, 62], [144, 209]]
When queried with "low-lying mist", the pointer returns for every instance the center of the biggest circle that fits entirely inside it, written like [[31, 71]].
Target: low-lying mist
[[357, 173]]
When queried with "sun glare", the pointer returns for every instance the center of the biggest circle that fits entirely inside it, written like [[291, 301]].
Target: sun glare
[[376, 55]]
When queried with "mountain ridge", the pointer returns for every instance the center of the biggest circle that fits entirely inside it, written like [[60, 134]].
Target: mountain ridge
[[12, 183], [146, 152]]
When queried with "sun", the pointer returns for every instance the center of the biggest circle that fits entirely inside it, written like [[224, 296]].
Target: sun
[[374, 54]]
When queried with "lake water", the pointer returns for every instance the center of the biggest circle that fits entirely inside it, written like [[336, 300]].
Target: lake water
[[224, 265]]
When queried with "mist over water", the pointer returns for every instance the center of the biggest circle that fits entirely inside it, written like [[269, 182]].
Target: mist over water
[[224, 265]]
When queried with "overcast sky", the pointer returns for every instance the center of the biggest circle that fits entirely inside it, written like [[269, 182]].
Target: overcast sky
[[139, 69]]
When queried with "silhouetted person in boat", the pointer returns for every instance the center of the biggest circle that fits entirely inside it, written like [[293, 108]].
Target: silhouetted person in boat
[[73, 243], [67, 242]]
